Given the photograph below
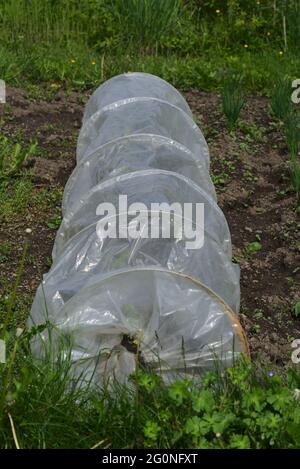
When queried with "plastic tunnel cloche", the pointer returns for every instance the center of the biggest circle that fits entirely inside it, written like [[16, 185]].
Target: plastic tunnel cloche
[[139, 140]]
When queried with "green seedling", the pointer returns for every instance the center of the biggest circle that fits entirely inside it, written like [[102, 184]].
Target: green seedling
[[54, 222], [296, 309], [253, 247], [281, 99], [232, 101]]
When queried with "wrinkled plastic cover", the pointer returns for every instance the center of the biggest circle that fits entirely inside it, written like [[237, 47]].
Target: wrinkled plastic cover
[[147, 187], [87, 256], [179, 326], [147, 115], [180, 305], [134, 85], [133, 153]]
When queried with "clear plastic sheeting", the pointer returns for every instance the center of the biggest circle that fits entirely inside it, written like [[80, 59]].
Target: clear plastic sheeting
[[134, 85], [87, 256], [178, 304], [179, 325], [147, 187], [134, 153], [147, 116]]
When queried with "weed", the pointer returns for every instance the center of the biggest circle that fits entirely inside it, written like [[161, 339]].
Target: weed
[[253, 247], [249, 176], [258, 314], [251, 130], [54, 222], [223, 173], [5, 250], [12, 156], [48, 197], [245, 147]]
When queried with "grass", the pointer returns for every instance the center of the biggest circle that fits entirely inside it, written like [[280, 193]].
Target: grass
[[12, 156], [46, 21], [5, 249], [293, 19], [82, 67], [42, 407], [81, 46], [144, 22], [15, 197]]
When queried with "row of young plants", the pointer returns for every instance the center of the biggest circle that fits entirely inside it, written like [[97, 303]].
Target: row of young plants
[[288, 115], [281, 107]]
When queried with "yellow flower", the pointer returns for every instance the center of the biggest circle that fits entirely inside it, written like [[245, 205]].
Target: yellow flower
[[280, 52], [246, 46], [268, 33], [218, 11], [258, 2], [72, 61], [93, 62]]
